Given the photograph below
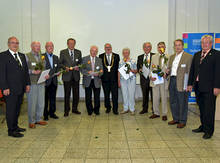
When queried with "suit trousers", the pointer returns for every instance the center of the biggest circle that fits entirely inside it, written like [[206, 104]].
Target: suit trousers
[[207, 104], [35, 99], [96, 92], [111, 87], [160, 93], [13, 105], [146, 89], [68, 85], [178, 102], [50, 99]]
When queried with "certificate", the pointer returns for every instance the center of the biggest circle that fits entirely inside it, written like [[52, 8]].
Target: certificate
[[42, 76], [159, 80], [123, 73]]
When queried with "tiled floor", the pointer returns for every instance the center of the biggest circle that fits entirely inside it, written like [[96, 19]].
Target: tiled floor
[[109, 139]]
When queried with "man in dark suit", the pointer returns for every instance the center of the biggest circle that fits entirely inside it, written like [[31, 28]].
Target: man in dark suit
[[92, 80], [52, 63], [70, 58], [15, 81], [204, 77], [109, 78], [145, 80]]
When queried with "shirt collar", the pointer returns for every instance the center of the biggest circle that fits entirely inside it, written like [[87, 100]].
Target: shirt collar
[[180, 54], [49, 54], [12, 52]]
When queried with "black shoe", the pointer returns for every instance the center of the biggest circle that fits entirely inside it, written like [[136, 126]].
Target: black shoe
[[143, 112], [89, 114], [15, 134], [66, 114], [115, 113], [198, 130], [97, 113], [207, 136], [20, 129], [54, 116], [76, 112], [46, 118], [108, 110]]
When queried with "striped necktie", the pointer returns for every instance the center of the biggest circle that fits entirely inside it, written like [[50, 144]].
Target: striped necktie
[[17, 60]]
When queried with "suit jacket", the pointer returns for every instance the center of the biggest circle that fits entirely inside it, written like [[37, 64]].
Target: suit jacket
[[54, 69], [86, 77], [208, 71], [183, 68], [66, 61], [157, 60], [113, 75], [12, 76], [140, 65]]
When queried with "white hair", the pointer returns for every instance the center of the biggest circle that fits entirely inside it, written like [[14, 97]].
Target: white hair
[[126, 49], [147, 43], [207, 37], [94, 46]]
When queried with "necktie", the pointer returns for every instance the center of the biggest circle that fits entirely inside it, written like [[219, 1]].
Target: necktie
[[202, 57], [108, 58], [93, 63], [16, 58], [50, 55], [72, 55]]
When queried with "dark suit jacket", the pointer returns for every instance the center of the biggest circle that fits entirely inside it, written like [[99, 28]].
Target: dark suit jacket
[[113, 75], [55, 69], [208, 71], [12, 76], [66, 61], [140, 65]]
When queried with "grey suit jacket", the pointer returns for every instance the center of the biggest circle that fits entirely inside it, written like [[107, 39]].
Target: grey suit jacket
[[98, 67], [66, 61]]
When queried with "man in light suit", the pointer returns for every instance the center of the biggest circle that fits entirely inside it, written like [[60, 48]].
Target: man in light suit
[[70, 58], [92, 79], [178, 69], [204, 77], [14, 82], [160, 91]]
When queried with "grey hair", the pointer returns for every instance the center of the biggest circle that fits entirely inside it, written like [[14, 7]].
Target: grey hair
[[208, 37], [147, 43], [12, 37], [126, 49], [94, 46]]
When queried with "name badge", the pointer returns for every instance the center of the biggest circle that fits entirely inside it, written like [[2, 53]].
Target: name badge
[[183, 65], [33, 64], [55, 65], [77, 60], [109, 68]]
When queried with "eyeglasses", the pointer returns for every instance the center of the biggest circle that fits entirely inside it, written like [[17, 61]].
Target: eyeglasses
[[16, 43]]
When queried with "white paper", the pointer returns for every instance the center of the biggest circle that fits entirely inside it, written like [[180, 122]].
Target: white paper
[[159, 80], [186, 77], [42, 76], [145, 71], [123, 73]]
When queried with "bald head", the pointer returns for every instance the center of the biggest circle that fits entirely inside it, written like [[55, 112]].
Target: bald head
[[13, 43], [49, 47], [35, 47], [93, 51]]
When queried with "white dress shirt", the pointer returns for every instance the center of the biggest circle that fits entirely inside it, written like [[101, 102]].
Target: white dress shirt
[[12, 53], [176, 64], [146, 56], [110, 57], [70, 52]]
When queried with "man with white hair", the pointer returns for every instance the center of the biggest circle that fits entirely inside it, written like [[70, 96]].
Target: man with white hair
[[35, 98], [92, 79], [204, 77]]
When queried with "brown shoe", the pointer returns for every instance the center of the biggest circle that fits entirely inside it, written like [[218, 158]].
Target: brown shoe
[[164, 118], [41, 123], [154, 116], [32, 125], [181, 125], [172, 122]]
